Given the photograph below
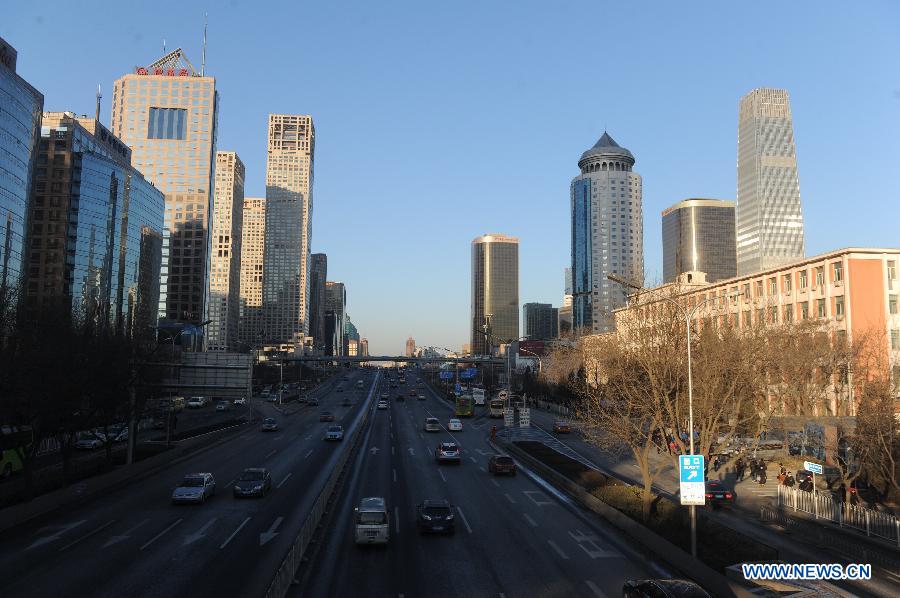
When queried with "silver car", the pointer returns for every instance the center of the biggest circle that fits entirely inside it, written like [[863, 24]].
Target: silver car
[[194, 488], [334, 433]]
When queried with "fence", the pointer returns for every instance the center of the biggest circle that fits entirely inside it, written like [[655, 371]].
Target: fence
[[551, 407], [823, 506]]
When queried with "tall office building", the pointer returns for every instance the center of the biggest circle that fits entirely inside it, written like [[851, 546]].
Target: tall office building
[[335, 308], [318, 275], [769, 218], [364, 347], [607, 234], [410, 347], [289, 203], [495, 291], [95, 238], [225, 258], [167, 113], [20, 125], [351, 334], [564, 312], [698, 236], [540, 321], [253, 240]]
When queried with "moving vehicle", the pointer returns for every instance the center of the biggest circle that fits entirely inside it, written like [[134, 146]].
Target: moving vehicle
[[449, 452], [717, 495], [662, 588], [385, 396], [312, 402], [496, 408], [435, 516], [454, 425], [195, 487], [269, 425], [346, 403], [478, 396], [359, 384], [372, 522], [402, 380], [334, 433], [254, 481], [223, 406], [412, 392], [14, 441], [400, 398], [432, 424], [197, 402], [326, 416], [464, 406], [88, 441], [420, 396], [500, 464], [561, 427], [382, 404]]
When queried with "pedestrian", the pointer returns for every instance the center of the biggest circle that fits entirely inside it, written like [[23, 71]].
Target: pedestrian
[[493, 432], [806, 485], [739, 469], [716, 464], [761, 471], [783, 471], [753, 469], [789, 480]]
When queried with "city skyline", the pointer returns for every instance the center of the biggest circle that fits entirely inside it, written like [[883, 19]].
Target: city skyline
[[697, 128]]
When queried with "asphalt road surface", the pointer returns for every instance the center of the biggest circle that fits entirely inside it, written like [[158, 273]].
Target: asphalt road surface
[[134, 542], [515, 536]]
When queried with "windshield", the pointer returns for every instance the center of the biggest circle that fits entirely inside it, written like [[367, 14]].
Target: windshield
[[437, 511], [252, 476], [334, 429], [269, 420], [192, 482], [504, 460], [372, 518]]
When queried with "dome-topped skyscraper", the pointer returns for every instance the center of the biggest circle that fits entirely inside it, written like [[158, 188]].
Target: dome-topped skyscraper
[[607, 233]]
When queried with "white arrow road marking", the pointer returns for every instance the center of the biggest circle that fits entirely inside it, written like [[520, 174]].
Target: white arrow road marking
[[116, 539], [200, 533], [234, 533], [60, 530], [88, 535], [593, 542], [558, 550], [265, 537], [412, 451], [374, 450], [597, 591], [157, 536], [463, 517], [281, 483]]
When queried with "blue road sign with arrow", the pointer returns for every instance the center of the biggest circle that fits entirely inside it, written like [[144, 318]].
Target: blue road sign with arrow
[[692, 476]]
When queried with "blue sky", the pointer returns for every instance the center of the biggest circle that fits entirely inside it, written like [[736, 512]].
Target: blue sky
[[437, 122]]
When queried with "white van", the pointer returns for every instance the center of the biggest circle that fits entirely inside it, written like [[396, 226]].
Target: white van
[[372, 523]]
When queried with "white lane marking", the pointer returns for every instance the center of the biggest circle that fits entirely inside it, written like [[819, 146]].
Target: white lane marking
[[442, 475], [495, 482], [272, 452], [160, 534], [530, 521], [234, 533], [392, 449], [421, 436], [598, 552], [509, 498], [597, 591], [266, 536], [55, 536], [474, 460], [308, 437], [412, 451], [395, 475], [308, 454], [286, 478], [558, 550], [397, 520], [541, 497], [201, 533], [463, 517], [88, 535], [483, 469], [116, 539]]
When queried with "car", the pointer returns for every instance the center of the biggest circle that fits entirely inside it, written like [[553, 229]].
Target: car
[[502, 464], [346, 403], [384, 396], [432, 424], [194, 488], [400, 398], [334, 433], [717, 495], [454, 425], [662, 588], [272, 398], [253, 481], [196, 402], [561, 427], [435, 516], [269, 425], [420, 396], [240, 401], [393, 385], [412, 392], [346, 378], [382, 404], [223, 406], [88, 441], [326, 416], [447, 452], [312, 401], [339, 389]]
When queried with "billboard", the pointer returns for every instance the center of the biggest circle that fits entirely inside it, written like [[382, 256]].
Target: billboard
[[468, 373], [531, 348]]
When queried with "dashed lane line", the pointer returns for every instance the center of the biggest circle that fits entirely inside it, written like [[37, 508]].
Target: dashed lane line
[[88, 535], [530, 521], [234, 533], [464, 520], [496, 483], [597, 591], [397, 521], [308, 454], [442, 475], [272, 452], [395, 475], [160, 534], [509, 498], [286, 478], [558, 550]]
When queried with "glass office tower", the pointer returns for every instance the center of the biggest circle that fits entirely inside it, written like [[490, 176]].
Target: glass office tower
[[225, 257], [495, 291], [698, 236]]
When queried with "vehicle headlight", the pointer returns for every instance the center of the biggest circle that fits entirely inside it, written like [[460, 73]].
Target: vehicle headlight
[[450, 516], [426, 517], [257, 487], [237, 488]]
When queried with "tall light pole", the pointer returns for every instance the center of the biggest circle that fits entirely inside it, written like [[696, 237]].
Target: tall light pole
[[688, 317]]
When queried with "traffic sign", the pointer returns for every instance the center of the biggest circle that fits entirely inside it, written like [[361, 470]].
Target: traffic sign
[[468, 373], [692, 475], [446, 375], [812, 467], [457, 389], [524, 418], [509, 417]]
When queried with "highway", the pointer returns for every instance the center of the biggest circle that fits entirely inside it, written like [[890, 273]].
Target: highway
[[515, 536], [134, 542]]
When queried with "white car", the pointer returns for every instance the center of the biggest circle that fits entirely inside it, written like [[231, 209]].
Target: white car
[[222, 406], [334, 433], [432, 424], [454, 425], [382, 404], [196, 402], [195, 487], [88, 441]]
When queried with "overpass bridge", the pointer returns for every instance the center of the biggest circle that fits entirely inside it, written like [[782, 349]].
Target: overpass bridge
[[390, 358]]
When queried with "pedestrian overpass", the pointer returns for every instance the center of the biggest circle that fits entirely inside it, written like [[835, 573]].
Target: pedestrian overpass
[[389, 358]]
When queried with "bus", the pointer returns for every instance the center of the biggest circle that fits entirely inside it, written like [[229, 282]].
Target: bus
[[496, 407], [464, 406], [478, 396], [14, 441]]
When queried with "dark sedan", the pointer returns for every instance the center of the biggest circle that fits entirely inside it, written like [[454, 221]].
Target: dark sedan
[[500, 464], [326, 416], [662, 588], [435, 516], [717, 495], [254, 481]]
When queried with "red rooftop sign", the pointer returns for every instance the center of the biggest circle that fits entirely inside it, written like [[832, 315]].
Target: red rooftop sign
[[165, 72]]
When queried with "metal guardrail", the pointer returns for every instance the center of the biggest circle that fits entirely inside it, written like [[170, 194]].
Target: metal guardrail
[[551, 407], [284, 576], [822, 506]]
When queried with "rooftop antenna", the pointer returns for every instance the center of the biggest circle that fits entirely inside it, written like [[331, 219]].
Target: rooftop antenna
[[203, 56], [97, 113]]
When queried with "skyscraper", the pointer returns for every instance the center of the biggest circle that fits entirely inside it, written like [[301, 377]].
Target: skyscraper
[[289, 203], [698, 236], [540, 321], [20, 126], [253, 239], [335, 308], [364, 347], [410, 347], [769, 218], [167, 113], [495, 291], [225, 258], [318, 275], [607, 234]]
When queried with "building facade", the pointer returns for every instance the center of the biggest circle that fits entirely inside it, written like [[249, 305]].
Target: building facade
[[253, 240], [225, 257], [540, 321], [607, 234], [95, 240], [410, 349], [289, 204], [318, 276], [167, 114], [698, 235], [335, 310], [364, 347], [769, 218], [20, 127], [495, 292]]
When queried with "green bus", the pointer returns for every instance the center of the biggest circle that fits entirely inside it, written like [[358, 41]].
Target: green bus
[[14, 441], [464, 405]]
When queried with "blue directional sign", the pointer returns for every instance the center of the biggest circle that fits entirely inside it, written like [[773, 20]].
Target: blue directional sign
[[691, 472], [468, 373], [812, 467], [458, 388], [447, 375]]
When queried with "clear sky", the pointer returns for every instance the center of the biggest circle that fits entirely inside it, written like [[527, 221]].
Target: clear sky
[[439, 121]]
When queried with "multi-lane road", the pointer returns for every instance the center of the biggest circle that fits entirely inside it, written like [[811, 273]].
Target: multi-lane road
[[514, 535], [133, 542]]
